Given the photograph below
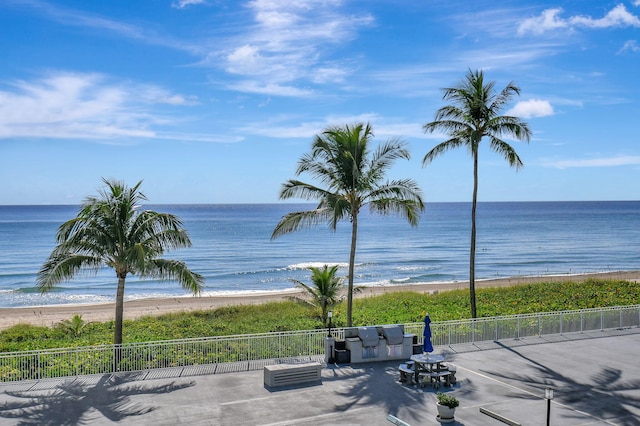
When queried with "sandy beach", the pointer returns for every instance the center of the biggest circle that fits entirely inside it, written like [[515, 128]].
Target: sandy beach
[[51, 315]]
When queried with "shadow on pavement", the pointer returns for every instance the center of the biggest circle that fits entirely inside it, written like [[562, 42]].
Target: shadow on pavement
[[73, 402], [400, 400], [605, 387]]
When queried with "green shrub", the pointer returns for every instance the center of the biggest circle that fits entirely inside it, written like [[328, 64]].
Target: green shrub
[[447, 400]]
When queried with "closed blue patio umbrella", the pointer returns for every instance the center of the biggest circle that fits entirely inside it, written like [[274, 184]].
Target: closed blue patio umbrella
[[426, 345]]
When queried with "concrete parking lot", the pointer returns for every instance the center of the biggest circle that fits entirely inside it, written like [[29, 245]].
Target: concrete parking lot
[[595, 377]]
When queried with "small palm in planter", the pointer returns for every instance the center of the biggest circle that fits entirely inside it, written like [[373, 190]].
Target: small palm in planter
[[446, 407]]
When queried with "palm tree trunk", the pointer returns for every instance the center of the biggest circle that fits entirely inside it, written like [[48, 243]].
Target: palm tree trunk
[[472, 251], [117, 331], [352, 262]]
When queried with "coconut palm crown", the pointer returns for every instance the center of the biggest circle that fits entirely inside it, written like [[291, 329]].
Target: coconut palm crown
[[351, 177], [110, 231], [325, 291], [474, 113]]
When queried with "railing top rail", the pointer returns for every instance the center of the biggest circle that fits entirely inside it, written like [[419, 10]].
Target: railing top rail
[[321, 331], [536, 315]]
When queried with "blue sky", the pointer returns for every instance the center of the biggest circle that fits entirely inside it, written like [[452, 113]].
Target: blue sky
[[214, 101]]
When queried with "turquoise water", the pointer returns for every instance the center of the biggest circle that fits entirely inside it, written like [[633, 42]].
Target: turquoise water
[[233, 250]]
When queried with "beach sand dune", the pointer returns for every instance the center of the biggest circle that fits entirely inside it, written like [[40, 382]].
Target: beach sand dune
[[51, 315]]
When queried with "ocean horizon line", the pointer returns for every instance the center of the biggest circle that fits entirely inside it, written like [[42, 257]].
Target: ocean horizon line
[[276, 203]]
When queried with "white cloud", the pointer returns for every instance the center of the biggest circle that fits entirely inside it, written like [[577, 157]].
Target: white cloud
[[82, 106], [619, 16], [92, 22], [630, 46], [181, 4], [285, 43], [156, 95], [594, 162], [550, 20], [328, 74], [288, 44], [252, 86], [531, 108], [288, 126], [244, 60], [72, 17]]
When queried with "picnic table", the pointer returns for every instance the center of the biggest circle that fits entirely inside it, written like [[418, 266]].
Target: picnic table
[[431, 367]]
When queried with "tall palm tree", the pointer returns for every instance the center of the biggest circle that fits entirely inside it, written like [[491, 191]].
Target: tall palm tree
[[109, 231], [473, 115], [325, 292], [352, 176]]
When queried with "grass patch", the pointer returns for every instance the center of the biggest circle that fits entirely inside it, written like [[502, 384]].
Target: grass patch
[[390, 308]]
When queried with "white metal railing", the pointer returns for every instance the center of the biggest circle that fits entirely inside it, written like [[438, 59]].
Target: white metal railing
[[55, 363], [533, 325]]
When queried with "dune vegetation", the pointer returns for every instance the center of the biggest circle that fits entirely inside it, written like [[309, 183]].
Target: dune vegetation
[[390, 308]]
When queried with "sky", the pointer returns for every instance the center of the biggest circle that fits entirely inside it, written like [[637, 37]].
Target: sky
[[215, 101]]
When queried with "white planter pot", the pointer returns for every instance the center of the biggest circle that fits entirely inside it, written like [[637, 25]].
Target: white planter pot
[[445, 414]]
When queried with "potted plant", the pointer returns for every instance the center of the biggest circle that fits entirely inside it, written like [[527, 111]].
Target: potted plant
[[446, 407]]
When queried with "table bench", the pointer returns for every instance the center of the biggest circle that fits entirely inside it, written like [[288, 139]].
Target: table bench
[[292, 374], [435, 377], [406, 373]]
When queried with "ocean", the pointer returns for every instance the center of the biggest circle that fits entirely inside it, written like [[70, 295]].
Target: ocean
[[233, 250]]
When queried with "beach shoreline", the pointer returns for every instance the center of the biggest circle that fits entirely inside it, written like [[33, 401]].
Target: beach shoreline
[[52, 314]]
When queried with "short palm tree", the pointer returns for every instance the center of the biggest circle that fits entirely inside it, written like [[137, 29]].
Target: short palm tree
[[74, 326], [352, 177], [473, 115], [110, 231], [325, 292]]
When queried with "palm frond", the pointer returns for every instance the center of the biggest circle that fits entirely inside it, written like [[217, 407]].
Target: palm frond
[[63, 267], [443, 147], [170, 269], [402, 197], [299, 220], [298, 189], [504, 96], [507, 152], [511, 126], [386, 154]]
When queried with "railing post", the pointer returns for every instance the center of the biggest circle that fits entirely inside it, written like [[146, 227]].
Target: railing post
[[248, 351], [561, 323], [473, 330], [539, 325]]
